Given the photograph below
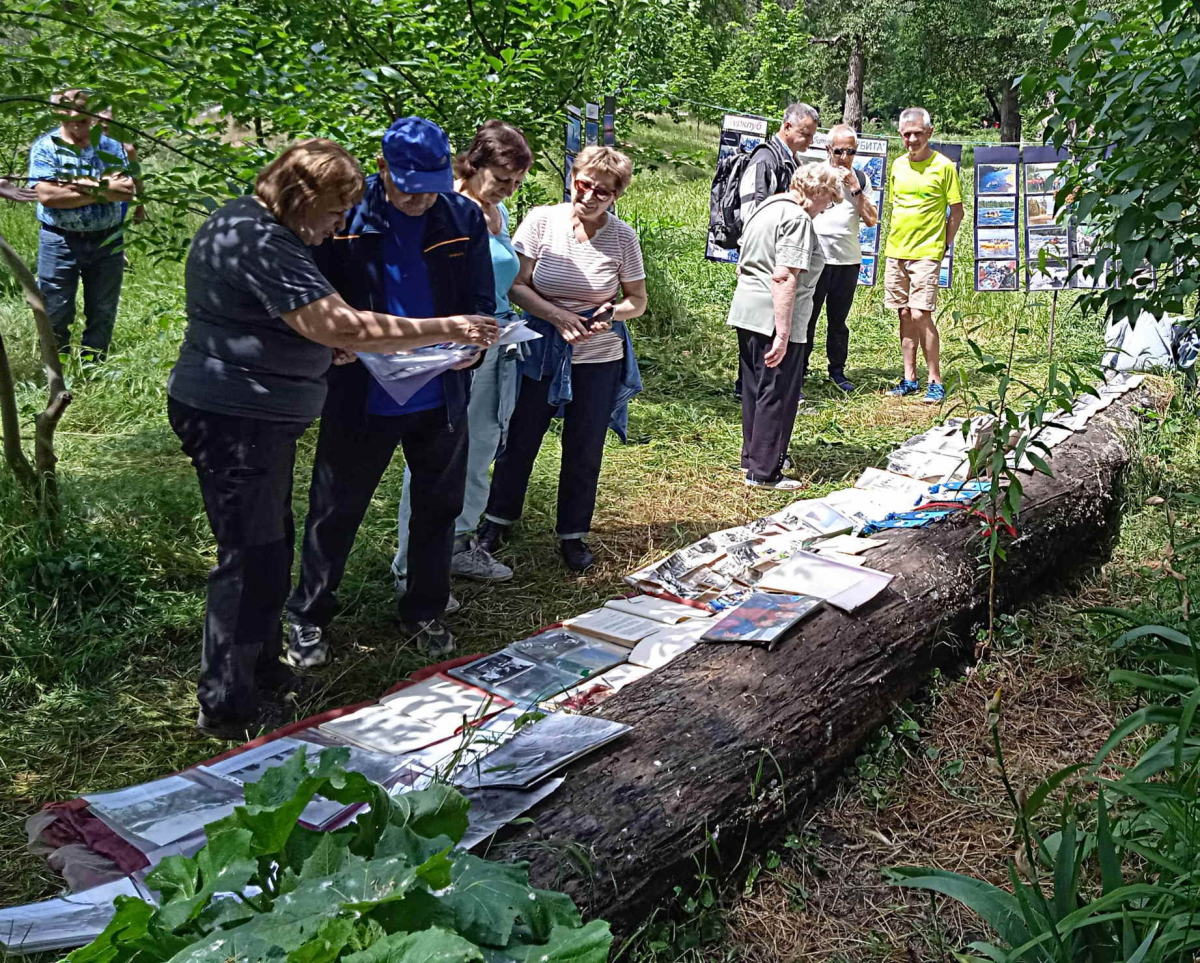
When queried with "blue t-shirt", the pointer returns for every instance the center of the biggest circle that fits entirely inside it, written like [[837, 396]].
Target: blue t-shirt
[[406, 284], [50, 162], [505, 263]]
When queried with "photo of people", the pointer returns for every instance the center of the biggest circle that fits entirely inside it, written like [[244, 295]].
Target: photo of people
[[1087, 275], [1052, 240], [997, 211], [574, 135], [1052, 277], [1040, 210], [996, 178], [996, 275], [1083, 239], [868, 238], [866, 271], [993, 242], [1041, 179], [872, 167], [749, 142]]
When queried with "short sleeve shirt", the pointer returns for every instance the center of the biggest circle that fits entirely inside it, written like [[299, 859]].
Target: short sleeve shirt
[[921, 192], [581, 275], [244, 271], [779, 233], [838, 228], [49, 161]]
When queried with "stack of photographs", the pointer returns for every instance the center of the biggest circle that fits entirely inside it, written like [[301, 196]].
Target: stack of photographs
[[946, 269], [997, 196], [1047, 249]]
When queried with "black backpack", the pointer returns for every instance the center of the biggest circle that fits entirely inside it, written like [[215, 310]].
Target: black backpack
[[724, 201]]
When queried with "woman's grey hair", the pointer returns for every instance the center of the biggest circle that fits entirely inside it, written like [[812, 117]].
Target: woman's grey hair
[[816, 181], [797, 112], [918, 114]]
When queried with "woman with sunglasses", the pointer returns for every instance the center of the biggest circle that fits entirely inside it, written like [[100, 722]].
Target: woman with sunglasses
[[577, 260]]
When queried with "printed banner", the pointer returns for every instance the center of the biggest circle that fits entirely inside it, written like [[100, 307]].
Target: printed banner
[[609, 125], [946, 270], [573, 143], [738, 133], [1047, 245], [591, 127], [997, 201]]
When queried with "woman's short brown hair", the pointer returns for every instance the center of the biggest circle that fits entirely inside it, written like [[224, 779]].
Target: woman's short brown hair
[[304, 174], [815, 181], [607, 161], [496, 144]]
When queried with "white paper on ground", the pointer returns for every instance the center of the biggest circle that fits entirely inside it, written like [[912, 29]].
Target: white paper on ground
[[855, 560], [848, 544], [928, 465], [614, 626], [493, 809], [844, 586], [67, 921], [439, 697], [879, 480], [623, 675], [165, 810], [659, 610], [870, 505], [382, 729], [658, 649]]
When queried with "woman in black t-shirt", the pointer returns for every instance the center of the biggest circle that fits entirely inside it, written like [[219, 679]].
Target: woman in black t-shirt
[[263, 326]]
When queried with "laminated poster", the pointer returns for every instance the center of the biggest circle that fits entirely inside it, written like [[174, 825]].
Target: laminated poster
[[738, 133], [1047, 243], [997, 200], [946, 270]]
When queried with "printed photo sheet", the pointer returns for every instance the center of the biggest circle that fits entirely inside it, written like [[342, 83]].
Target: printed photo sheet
[[382, 729], [658, 649], [660, 610], [493, 809], [439, 698], [165, 810], [68, 921]]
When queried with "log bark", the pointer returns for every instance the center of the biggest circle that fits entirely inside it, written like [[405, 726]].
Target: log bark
[[852, 112], [1010, 113], [730, 742]]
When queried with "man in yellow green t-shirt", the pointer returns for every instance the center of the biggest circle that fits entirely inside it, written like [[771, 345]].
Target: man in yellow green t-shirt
[[924, 184]]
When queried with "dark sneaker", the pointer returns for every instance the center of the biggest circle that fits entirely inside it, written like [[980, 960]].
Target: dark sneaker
[[779, 484], [490, 535], [268, 718], [935, 393], [478, 564], [576, 554], [400, 584], [433, 639], [842, 382], [307, 647], [906, 387]]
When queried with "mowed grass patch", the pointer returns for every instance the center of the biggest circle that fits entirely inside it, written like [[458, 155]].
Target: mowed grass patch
[[100, 623]]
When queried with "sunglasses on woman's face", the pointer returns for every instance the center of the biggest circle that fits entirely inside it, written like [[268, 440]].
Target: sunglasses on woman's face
[[585, 187], [840, 151]]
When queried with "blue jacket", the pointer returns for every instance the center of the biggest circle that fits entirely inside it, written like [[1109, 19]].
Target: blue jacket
[[460, 275]]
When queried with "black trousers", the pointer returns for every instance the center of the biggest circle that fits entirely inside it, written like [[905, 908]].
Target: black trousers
[[245, 471], [835, 290], [585, 423], [349, 463], [770, 397]]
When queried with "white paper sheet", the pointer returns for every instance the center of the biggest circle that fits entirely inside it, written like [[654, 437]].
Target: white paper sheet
[[659, 610], [848, 544], [382, 729], [623, 675], [438, 698], [620, 627], [658, 649], [844, 586], [165, 810]]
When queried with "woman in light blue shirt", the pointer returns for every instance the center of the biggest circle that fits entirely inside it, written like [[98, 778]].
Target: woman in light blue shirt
[[489, 172]]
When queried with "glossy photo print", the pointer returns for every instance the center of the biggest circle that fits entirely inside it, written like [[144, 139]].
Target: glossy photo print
[[995, 242], [996, 179], [996, 211], [996, 275]]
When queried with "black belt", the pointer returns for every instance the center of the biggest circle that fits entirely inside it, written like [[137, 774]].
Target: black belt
[[63, 232]]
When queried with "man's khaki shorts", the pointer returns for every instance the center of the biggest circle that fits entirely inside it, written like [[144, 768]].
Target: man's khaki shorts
[[911, 284]]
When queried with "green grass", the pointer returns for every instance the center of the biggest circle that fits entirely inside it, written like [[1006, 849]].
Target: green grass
[[100, 624]]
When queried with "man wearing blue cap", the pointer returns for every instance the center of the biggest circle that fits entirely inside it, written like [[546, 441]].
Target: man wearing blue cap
[[412, 247]]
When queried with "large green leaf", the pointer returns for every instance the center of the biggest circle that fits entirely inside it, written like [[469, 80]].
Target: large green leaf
[[224, 865], [997, 908], [428, 946], [439, 810], [488, 898], [585, 944], [130, 934]]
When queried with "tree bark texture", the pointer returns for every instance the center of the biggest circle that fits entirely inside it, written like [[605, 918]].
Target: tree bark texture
[[731, 742], [1010, 113], [852, 113]]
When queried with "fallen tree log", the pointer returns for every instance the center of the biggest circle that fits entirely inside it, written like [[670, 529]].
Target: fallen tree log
[[729, 742]]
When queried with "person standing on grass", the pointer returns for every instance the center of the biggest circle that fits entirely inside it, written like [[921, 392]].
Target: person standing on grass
[[413, 246], [780, 264], [488, 173], [263, 326], [924, 184], [83, 191], [838, 230], [577, 259]]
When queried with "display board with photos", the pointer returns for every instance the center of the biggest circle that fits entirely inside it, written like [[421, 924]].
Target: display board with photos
[[1047, 234], [591, 125], [739, 132], [608, 131], [997, 202], [572, 145], [946, 269]]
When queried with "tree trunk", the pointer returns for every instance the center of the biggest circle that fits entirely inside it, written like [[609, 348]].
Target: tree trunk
[[10, 425], [852, 113], [1010, 113], [730, 743]]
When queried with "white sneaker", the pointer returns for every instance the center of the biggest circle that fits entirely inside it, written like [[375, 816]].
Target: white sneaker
[[400, 584], [479, 564], [780, 484]]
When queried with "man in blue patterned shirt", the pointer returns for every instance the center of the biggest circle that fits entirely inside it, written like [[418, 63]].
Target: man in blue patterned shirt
[[83, 192]]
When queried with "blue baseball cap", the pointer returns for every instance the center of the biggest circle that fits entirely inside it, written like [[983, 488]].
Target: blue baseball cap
[[417, 152]]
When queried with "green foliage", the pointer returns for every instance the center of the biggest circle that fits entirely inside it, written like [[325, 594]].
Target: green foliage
[[391, 888], [1125, 102]]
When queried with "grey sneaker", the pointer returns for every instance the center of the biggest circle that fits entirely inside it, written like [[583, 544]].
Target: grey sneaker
[[400, 584], [433, 639], [478, 564], [307, 648], [267, 718]]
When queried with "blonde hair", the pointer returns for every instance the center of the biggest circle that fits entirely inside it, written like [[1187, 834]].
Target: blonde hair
[[306, 173], [816, 181], [607, 161]]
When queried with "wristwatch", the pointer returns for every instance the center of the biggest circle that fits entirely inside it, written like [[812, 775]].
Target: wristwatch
[[856, 193]]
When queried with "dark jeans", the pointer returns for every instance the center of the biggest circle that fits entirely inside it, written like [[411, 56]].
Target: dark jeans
[[349, 464], [66, 259], [770, 397], [835, 290], [585, 423], [245, 471]]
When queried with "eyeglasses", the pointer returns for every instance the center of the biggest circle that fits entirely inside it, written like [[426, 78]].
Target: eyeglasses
[[840, 151], [585, 186]]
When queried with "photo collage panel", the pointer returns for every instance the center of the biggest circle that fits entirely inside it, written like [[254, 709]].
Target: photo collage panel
[[946, 269], [997, 197], [738, 133], [1047, 241], [871, 160]]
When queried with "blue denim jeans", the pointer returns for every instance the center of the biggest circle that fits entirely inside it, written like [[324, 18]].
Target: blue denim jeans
[[66, 259], [494, 387]]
